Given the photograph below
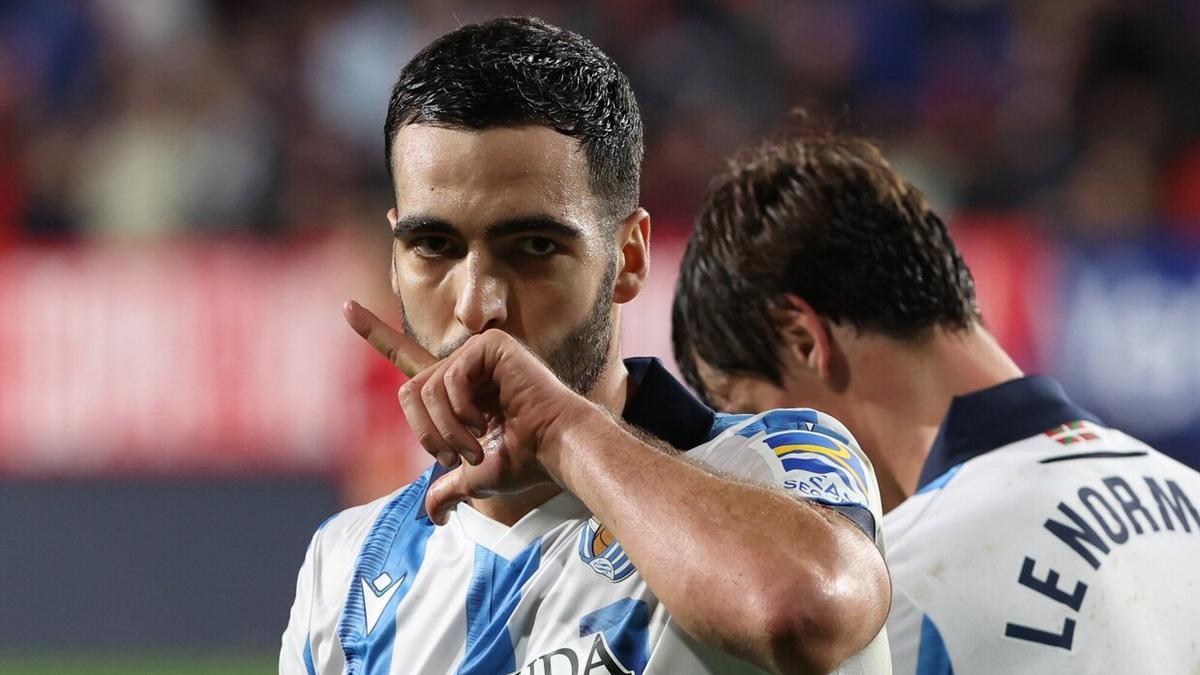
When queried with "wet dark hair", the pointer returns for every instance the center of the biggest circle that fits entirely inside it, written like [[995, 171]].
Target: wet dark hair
[[517, 71], [824, 217]]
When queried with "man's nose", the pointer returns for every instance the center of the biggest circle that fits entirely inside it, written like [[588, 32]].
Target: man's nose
[[482, 296]]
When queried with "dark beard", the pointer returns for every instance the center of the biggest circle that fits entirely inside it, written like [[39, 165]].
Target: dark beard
[[579, 359]]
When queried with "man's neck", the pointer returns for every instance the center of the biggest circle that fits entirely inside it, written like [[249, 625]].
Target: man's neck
[[899, 407], [610, 391]]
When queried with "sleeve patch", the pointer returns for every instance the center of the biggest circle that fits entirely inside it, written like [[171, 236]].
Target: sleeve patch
[[821, 467]]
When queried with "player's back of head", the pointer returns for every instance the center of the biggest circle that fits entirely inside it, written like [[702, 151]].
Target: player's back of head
[[519, 71], [825, 217]]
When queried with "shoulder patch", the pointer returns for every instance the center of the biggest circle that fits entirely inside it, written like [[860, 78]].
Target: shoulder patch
[[820, 466]]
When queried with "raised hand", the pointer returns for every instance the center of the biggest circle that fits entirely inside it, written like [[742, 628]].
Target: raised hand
[[401, 350], [490, 403]]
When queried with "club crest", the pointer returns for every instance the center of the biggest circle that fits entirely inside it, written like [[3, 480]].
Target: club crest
[[600, 550]]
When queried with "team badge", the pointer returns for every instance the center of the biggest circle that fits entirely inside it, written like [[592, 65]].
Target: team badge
[[599, 549]]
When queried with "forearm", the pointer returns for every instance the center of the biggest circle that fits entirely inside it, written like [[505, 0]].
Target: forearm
[[743, 567]]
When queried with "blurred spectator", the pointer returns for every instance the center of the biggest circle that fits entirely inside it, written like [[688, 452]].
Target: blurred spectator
[[138, 176], [353, 63], [265, 117]]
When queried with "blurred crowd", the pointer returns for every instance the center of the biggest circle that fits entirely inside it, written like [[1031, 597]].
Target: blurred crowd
[[143, 119]]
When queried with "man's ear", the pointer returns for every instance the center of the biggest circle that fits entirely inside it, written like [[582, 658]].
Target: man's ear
[[633, 256], [807, 341], [392, 217]]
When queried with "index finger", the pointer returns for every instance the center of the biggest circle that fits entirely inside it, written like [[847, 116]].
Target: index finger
[[401, 350]]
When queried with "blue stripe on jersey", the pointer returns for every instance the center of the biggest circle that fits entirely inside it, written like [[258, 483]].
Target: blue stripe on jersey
[[786, 419], [830, 432], [308, 660], [395, 545], [781, 420], [625, 625], [799, 419], [932, 657], [940, 482], [492, 596]]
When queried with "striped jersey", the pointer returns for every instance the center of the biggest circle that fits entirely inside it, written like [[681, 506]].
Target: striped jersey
[[383, 590], [1040, 541]]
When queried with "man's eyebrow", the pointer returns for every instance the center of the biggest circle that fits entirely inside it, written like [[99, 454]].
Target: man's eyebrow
[[534, 224], [422, 225]]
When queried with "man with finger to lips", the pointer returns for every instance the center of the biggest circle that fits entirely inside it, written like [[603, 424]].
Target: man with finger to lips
[[584, 514]]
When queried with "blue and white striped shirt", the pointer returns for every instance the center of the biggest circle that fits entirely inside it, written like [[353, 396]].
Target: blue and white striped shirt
[[384, 590]]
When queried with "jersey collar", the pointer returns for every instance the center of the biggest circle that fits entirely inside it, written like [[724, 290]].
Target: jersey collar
[[997, 416], [661, 405]]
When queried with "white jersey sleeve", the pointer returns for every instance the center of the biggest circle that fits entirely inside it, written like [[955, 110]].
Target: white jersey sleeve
[[811, 456], [805, 452], [295, 655]]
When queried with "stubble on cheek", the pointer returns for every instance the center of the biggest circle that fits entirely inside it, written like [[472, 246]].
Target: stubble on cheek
[[577, 358], [439, 351]]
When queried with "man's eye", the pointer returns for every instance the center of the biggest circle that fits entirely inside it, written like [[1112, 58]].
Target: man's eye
[[537, 246], [431, 246]]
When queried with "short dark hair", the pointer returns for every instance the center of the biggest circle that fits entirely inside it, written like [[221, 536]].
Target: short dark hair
[[824, 217], [520, 70]]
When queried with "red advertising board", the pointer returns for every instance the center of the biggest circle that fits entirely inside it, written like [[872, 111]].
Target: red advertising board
[[173, 357], [209, 357], [233, 357]]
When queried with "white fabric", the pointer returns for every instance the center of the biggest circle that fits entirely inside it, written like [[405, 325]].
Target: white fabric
[[957, 552]]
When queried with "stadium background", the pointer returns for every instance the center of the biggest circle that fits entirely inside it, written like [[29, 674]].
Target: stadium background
[[190, 188]]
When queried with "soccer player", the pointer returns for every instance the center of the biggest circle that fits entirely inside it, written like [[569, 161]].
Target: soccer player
[[552, 536], [1023, 535]]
